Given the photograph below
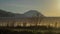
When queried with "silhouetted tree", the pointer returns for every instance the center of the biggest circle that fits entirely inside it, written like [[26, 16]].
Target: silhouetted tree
[[24, 23], [56, 24]]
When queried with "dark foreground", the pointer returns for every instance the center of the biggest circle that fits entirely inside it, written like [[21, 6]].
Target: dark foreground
[[28, 30]]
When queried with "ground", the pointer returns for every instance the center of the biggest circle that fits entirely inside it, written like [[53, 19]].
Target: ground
[[29, 30]]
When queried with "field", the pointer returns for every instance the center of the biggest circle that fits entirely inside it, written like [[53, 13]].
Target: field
[[29, 30]]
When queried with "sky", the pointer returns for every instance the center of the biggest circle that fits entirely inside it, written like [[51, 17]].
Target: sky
[[46, 7]]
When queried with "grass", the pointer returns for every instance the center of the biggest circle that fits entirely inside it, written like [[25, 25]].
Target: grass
[[28, 30]]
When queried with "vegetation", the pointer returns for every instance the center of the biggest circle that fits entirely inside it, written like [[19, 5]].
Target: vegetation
[[28, 30]]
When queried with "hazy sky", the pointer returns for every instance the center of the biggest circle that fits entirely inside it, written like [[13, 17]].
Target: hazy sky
[[46, 7]]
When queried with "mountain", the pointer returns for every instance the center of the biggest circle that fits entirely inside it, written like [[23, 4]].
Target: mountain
[[29, 14], [6, 14], [33, 13]]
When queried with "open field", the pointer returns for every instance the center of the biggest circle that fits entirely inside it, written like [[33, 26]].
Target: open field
[[29, 30]]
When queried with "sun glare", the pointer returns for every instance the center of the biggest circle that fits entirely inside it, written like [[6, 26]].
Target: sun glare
[[59, 5]]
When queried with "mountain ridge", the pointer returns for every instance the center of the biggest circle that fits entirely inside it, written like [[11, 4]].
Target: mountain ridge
[[29, 14]]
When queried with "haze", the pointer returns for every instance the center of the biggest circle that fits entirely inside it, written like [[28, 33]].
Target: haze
[[46, 7]]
